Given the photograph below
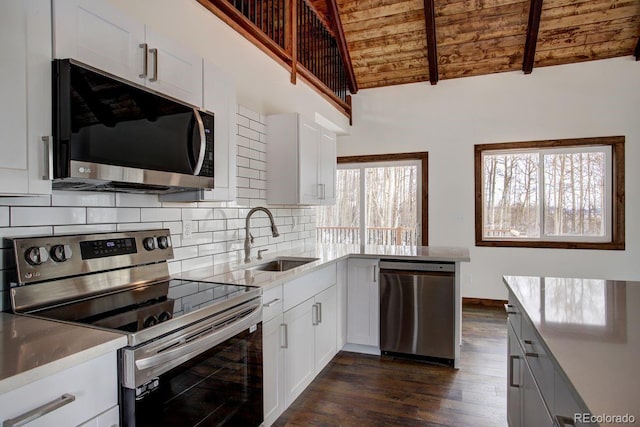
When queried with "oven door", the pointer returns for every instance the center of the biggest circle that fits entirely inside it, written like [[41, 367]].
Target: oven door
[[221, 386]]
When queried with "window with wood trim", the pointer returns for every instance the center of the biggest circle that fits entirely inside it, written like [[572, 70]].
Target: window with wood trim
[[551, 194]]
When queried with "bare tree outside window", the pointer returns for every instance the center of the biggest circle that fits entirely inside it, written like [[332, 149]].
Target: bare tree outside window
[[390, 203], [548, 193]]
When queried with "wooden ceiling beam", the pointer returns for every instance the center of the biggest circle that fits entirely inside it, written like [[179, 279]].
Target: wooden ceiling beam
[[432, 53], [636, 52], [334, 16], [535, 11]]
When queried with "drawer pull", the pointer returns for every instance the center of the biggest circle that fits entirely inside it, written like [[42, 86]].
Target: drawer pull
[[564, 421], [271, 303], [528, 342], [284, 334], [531, 354], [511, 359], [40, 411], [509, 309]]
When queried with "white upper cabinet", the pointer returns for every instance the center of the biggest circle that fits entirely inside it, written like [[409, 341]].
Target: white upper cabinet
[[98, 34], [25, 105], [220, 99], [301, 157]]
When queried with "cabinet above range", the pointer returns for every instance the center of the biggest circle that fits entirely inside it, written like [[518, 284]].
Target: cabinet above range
[[97, 34], [301, 158]]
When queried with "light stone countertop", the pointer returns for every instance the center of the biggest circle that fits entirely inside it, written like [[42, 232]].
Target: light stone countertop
[[241, 274], [35, 348], [591, 327]]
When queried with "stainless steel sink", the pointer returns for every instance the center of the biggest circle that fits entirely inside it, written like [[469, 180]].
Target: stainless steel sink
[[282, 264]]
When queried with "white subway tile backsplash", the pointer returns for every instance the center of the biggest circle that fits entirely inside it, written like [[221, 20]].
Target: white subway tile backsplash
[[212, 248], [248, 173], [249, 133], [136, 226], [243, 121], [226, 235], [175, 227], [198, 239], [82, 198], [4, 216], [83, 229], [6, 233], [246, 112], [244, 162], [257, 164], [197, 214], [248, 193], [243, 182], [21, 216], [212, 225], [26, 201], [112, 215], [160, 214], [258, 126], [226, 213], [137, 200], [199, 262], [258, 146], [243, 141], [185, 252], [248, 153]]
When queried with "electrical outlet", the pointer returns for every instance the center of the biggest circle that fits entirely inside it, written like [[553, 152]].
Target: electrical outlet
[[187, 229]]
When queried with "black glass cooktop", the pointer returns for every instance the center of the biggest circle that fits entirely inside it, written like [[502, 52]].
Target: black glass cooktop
[[147, 305]]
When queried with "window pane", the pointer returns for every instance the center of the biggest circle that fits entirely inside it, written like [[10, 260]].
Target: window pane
[[392, 205], [574, 194], [340, 223], [510, 195]]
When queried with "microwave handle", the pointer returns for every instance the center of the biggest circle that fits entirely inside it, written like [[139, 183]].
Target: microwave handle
[[203, 142]]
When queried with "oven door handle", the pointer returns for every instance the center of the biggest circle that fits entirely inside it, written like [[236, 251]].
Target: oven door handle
[[195, 346]]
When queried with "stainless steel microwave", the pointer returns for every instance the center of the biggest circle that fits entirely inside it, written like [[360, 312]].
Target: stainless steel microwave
[[115, 136]]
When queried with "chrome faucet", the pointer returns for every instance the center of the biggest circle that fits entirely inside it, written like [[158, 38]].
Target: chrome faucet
[[248, 239]]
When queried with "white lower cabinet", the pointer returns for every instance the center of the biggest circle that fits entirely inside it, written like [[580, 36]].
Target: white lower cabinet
[[299, 342], [363, 310], [86, 393]]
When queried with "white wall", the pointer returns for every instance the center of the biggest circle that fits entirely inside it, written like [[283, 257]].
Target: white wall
[[599, 98], [263, 84]]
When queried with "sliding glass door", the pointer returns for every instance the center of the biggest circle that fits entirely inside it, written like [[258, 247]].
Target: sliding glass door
[[377, 203]]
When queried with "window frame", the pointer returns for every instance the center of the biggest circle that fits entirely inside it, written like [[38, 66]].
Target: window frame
[[423, 158], [617, 196]]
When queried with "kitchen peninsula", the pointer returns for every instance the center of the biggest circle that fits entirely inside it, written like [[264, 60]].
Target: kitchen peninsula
[[574, 345]]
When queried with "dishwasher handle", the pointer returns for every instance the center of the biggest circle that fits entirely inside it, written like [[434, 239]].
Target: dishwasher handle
[[447, 267]]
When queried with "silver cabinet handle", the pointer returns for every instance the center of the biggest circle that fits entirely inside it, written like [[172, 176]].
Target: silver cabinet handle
[[40, 411], [565, 421], [374, 274], [271, 303], [319, 312], [511, 359], [509, 309], [528, 342], [154, 52], [324, 191], [48, 146], [314, 315], [531, 354], [145, 58], [283, 328]]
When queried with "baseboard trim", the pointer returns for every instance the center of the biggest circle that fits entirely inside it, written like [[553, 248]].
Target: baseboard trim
[[484, 302]]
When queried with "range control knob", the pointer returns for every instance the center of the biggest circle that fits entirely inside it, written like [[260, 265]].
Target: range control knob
[[149, 243], [164, 316], [150, 321], [163, 242], [61, 253], [36, 256]]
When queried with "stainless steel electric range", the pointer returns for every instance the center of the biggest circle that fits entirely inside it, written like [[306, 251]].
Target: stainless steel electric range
[[194, 353]]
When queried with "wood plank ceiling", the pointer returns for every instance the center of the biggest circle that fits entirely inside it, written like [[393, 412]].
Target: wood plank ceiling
[[387, 39]]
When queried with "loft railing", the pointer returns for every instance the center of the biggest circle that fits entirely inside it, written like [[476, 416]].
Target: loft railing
[[291, 33], [318, 51], [406, 236]]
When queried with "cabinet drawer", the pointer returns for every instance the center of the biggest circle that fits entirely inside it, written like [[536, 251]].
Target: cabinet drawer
[[305, 287], [93, 384], [514, 315], [271, 303], [539, 361]]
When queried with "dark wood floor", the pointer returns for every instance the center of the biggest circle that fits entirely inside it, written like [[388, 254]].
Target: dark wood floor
[[362, 390]]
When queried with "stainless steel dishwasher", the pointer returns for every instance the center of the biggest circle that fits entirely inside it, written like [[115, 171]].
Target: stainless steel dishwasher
[[417, 310]]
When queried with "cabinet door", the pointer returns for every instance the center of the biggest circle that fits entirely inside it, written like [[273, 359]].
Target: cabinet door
[[25, 109], [173, 69], [299, 350], [363, 309], [325, 327], [534, 409], [273, 365], [308, 143], [327, 167], [100, 35], [220, 99], [514, 380]]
